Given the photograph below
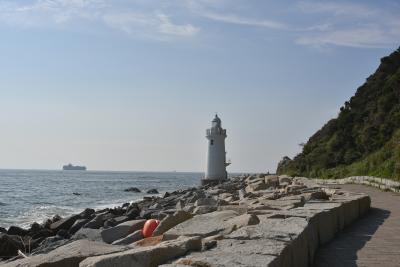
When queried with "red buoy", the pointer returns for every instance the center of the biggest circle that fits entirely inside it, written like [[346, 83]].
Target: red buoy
[[149, 227]]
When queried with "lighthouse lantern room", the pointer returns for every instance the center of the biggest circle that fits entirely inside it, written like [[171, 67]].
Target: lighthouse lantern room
[[216, 155]]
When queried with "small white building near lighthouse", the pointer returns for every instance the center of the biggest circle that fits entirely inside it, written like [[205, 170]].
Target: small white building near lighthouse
[[216, 155]]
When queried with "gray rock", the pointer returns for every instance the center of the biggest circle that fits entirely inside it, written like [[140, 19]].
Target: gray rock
[[280, 229], [204, 209], [69, 255], [148, 213], [89, 234], [319, 194], [209, 244], [180, 204], [271, 180], [109, 223], [146, 256], [242, 193], [132, 189], [121, 219], [228, 253], [97, 221], [212, 223], [35, 228], [63, 234], [240, 209], [171, 221], [78, 225], [122, 230], [260, 185], [87, 214], [285, 179], [243, 220], [156, 206], [205, 202], [129, 239], [132, 212], [50, 244], [189, 208], [9, 245], [215, 192], [15, 230], [294, 188], [152, 191]]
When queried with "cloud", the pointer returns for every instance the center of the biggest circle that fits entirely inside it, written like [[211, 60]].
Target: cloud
[[335, 23], [134, 23], [45, 12], [57, 13], [167, 27], [368, 37], [336, 8], [234, 19], [207, 9], [350, 25]]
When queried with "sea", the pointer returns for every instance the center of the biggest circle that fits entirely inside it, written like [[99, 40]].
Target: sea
[[28, 196]]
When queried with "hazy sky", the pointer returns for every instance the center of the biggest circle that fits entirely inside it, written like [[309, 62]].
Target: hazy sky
[[133, 84]]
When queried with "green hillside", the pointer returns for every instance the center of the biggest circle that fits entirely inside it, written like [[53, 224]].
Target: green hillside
[[365, 137]]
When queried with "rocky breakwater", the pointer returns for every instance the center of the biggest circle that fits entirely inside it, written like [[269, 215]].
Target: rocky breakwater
[[251, 220]]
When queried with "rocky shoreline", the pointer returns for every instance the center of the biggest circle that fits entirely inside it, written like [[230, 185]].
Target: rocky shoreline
[[251, 220]]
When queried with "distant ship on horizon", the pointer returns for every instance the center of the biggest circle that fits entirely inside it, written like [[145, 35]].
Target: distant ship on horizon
[[71, 167]]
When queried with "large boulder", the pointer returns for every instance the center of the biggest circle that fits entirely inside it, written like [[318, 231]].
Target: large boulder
[[146, 256], [133, 189], [129, 239], [171, 221], [259, 185], [15, 230], [49, 244], [264, 244], [122, 230], [88, 234], [228, 253], [204, 209], [78, 225], [121, 219], [9, 245], [69, 255], [205, 202], [152, 191], [218, 222], [132, 211], [285, 179], [87, 214], [272, 180], [98, 220], [64, 224]]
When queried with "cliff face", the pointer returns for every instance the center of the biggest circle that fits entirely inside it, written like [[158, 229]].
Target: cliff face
[[365, 137]]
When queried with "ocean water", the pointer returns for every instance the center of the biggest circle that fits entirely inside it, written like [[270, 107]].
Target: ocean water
[[28, 196]]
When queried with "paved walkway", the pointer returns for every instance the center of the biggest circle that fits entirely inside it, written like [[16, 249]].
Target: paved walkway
[[374, 240]]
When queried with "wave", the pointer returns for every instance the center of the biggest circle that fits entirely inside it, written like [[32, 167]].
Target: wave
[[3, 204]]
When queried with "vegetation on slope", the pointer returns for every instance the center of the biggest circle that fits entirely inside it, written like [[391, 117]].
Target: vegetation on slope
[[365, 137]]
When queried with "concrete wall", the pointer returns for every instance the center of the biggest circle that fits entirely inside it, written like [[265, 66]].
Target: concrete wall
[[382, 183]]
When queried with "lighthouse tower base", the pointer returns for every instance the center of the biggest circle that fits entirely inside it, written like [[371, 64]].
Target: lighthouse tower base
[[212, 181]]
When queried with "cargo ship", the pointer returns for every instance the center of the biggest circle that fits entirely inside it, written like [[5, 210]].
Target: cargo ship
[[71, 167]]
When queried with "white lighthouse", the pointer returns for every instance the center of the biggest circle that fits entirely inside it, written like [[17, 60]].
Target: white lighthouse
[[216, 155]]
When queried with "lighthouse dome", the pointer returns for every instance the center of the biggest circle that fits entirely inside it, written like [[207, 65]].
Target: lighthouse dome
[[216, 122]]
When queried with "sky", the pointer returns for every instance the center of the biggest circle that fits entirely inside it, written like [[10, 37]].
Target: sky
[[133, 84]]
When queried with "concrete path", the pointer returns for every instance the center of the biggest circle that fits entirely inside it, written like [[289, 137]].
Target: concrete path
[[374, 240]]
